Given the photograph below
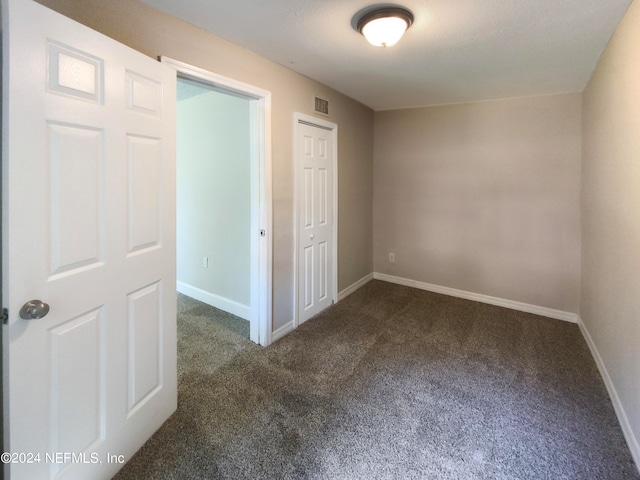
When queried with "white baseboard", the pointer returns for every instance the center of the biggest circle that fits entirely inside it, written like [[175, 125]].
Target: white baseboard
[[632, 441], [355, 286], [478, 297], [282, 331], [238, 309]]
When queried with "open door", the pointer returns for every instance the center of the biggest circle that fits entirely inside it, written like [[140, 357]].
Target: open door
[[89, 246]]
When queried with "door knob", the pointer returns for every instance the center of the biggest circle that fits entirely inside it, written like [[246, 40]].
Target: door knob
[[34, 309], [312, 236]]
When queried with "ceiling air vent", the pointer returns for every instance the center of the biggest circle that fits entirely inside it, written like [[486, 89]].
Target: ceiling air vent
[[321, 106]]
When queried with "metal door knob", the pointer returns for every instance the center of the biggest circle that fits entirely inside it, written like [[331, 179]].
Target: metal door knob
[[34, 309]]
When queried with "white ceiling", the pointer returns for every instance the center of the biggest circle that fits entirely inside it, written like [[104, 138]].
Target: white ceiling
[[456, 51]]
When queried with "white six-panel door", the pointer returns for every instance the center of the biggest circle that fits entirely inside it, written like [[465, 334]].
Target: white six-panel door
[[316, 244], [89, 229]]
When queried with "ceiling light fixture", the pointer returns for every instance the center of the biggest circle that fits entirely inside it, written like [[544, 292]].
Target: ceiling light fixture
[[384, 26]]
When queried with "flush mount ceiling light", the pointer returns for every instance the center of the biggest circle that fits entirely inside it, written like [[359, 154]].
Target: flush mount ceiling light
[[384, 26]]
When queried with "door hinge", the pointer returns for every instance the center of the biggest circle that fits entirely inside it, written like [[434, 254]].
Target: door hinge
[[5, 316]]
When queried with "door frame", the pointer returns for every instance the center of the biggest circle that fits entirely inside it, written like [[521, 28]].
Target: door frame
[[261, 217], [301, 118]]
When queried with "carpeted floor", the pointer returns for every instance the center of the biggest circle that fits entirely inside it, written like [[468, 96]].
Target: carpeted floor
[[391, 383]]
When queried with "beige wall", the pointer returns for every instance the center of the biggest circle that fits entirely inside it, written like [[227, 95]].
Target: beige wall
[[482, 197], [610, 306], [155, 33]]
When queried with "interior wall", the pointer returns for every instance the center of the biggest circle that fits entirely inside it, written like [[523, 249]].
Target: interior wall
[[610, 300], [482, 197], [214, 196], [155, 33]]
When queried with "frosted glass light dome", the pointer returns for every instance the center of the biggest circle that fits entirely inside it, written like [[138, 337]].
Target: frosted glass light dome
[[384, 32], [385, 26]]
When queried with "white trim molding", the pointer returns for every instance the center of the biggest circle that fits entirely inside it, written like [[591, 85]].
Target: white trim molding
[[231, 306], [355, 286], [282, 331], [632, 441], [478, 297], [261, 308]]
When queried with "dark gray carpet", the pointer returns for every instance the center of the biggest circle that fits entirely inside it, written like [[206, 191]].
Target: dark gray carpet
[[391, 383]]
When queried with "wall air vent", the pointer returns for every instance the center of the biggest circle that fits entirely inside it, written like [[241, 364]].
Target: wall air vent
[[321, 106]]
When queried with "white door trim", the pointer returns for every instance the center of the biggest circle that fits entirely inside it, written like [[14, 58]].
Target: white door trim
[[261, 246], [299, 118]]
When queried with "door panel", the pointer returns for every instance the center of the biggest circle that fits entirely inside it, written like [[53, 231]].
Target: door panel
[[144, 95], [144, 365], [323, 269], [145, 208], [77, 382], [315, 224], [308, 278], [323, 197], [89, 225], [76, 166], [308, 197], [74, 72]]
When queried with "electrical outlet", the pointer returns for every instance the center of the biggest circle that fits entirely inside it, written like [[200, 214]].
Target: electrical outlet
[[392, 257], [205, 262]]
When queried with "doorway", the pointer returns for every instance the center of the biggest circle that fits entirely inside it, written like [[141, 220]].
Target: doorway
[[213, 198], [223, 196]]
